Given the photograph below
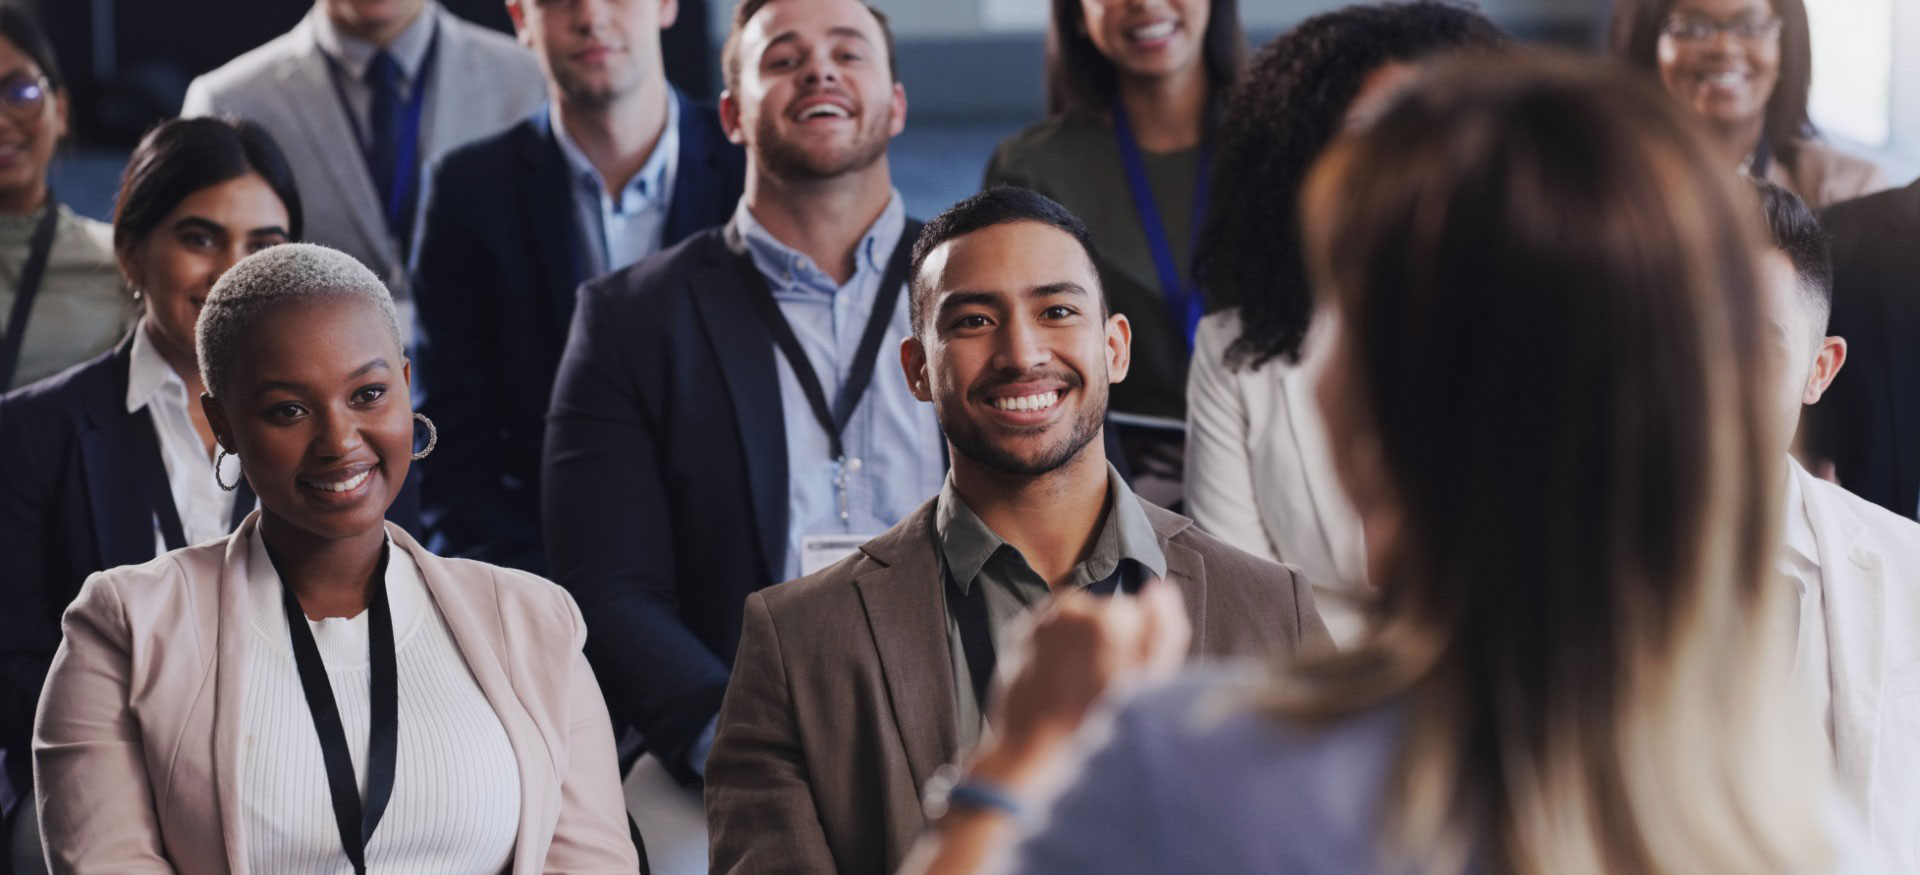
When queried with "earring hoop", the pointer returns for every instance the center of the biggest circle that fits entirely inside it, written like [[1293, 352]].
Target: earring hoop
[[433, 436], [216, 470]]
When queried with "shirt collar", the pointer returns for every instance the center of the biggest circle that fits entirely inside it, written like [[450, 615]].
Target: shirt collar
[[406, 593], [967, 543], [785, 266], [1798, 536], [149, 377], [353, 54], [648, 184]]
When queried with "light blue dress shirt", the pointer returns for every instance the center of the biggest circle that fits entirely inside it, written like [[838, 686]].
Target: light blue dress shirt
[[618, 230], [893, 443]]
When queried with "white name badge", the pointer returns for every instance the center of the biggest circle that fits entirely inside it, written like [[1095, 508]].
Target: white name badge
[[820, 551]]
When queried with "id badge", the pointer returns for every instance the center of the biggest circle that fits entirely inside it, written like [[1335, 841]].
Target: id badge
[[820, 551]]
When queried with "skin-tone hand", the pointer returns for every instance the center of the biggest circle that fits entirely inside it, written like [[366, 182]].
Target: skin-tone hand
[[1068, 660]]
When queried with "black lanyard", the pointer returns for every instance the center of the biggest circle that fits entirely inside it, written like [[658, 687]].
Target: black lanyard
[[31, 273], [407, 145], [159, 490], [1184, 301], [833, 420], [356, 825], [969, 607]]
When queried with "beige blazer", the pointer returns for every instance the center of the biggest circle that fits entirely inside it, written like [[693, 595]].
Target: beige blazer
[[1870, 584], [137, 745], [1260, 472], [1823, 175], [842, 704]]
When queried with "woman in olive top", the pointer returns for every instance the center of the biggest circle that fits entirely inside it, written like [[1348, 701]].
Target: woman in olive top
[[1134, 90], [1745, 67], [61, 301]]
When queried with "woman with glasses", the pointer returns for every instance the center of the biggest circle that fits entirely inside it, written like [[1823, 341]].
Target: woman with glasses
[[1745, 68], [61, 301], [1135, 89]]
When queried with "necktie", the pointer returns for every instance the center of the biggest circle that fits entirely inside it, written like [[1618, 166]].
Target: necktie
[[383, 116]]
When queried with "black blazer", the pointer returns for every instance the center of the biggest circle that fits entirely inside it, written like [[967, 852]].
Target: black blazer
[[665, 491], [494, 282], [78, 494], [1868, 423]]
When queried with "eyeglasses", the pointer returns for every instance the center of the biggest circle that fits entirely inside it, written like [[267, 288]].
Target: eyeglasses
[[23, 97], [1700, 31]]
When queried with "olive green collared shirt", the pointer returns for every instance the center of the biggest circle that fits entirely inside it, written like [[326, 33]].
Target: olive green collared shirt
[[82, 308], [975, 556]]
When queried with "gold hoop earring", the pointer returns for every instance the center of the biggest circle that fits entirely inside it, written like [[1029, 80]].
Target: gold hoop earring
[[433, 435], [216, 470]]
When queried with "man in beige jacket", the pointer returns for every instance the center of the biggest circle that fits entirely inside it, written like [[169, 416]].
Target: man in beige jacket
[[854, 685]]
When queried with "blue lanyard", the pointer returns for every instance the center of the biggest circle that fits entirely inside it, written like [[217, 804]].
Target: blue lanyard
[[1184, 301], [407, 150]]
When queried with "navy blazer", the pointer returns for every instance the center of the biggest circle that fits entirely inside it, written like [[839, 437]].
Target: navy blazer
[[78, 495], [1868, 424], [665, 492], [494, 283]]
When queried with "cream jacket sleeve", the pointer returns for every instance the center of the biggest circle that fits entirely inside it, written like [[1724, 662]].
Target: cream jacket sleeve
[[89, 757]]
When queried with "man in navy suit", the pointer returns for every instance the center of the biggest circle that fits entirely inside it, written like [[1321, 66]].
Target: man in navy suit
[[728, 415], [618, 166]]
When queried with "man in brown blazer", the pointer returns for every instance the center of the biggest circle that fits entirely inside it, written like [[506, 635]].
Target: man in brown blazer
[[853, 685]]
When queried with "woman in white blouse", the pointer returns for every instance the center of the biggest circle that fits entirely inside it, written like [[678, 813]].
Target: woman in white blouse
[[1259, 471], [317, 692]]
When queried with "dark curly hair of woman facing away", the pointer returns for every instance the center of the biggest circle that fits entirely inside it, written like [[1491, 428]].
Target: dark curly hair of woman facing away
[[1284, 111]]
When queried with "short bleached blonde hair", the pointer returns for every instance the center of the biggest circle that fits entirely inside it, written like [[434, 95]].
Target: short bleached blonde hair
[[268, 279]]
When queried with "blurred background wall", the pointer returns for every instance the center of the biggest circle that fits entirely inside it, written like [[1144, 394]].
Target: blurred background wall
[[972, 69]]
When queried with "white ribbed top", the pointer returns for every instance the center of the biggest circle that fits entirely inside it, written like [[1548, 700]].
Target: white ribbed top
[[456, 791]]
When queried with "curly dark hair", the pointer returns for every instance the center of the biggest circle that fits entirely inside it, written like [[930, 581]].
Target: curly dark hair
[[1278, 118]]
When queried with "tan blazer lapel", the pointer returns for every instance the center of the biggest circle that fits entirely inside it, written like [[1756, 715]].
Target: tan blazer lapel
[[1853, 590], [1186, 568], [480, 646], [234, 635], [308, 86], [906, 612]]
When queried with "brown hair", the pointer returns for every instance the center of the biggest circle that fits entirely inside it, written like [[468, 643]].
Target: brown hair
[[743, 12], [1547, 286], [1634, 37], [1081, 80]]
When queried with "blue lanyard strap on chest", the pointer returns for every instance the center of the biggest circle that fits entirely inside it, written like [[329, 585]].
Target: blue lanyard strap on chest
[[1184, 301]]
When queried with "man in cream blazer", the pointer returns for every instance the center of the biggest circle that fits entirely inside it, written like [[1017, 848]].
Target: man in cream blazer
[[308, 88], [1856, 566]]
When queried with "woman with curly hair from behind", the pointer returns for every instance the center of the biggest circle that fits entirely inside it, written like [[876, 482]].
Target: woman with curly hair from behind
[[1258, 471]]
